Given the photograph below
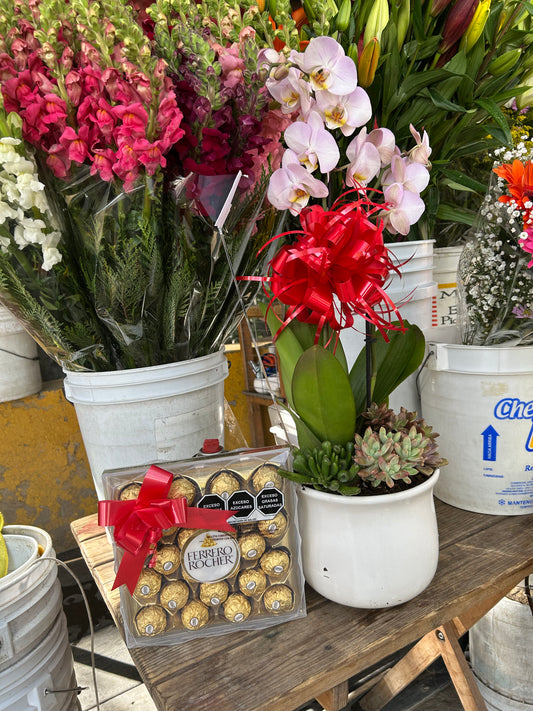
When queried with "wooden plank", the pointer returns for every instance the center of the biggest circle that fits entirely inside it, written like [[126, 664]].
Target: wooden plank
[[460, 673], [417, 659], [334, 699]]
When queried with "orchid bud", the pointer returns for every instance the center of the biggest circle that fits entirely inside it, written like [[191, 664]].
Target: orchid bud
[[368, 63], [504, 63], [457, 22], [377, 21], [476, 26]]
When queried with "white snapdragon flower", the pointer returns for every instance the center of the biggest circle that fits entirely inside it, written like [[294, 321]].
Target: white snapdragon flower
[[51, 256], [6, 212], [31, 192], [29, 231]]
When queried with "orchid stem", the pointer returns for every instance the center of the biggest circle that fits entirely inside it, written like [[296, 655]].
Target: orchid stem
[[370, 361]]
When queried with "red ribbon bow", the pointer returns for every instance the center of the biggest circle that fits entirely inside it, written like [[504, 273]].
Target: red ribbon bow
[[139, 523]]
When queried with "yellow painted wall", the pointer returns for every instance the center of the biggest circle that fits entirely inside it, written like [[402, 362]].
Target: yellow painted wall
[[45, 479]]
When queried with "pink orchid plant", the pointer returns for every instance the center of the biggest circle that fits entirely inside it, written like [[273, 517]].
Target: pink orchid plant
[[136, 118], [328, 146]]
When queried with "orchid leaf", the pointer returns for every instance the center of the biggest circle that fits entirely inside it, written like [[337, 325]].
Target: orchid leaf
[[323, 397], [394, 362], [288, 349]]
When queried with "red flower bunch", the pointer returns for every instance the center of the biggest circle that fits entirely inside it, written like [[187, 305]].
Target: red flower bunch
[[117, 119], [336, 269]]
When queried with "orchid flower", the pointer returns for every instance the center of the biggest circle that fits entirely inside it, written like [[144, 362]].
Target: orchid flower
[[313, 145], [327, 65], [404, 208], [421, 152], [365, 161], [291, 186], [347, 112], [292, 92], [385, 142], [412, 176]]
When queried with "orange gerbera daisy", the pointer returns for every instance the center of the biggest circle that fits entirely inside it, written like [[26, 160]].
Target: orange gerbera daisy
[[519, 178]]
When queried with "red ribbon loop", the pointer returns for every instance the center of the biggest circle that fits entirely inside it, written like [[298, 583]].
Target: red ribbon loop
[[139, 523]]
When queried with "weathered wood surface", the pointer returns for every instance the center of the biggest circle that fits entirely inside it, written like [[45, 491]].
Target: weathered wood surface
[[280, 668]]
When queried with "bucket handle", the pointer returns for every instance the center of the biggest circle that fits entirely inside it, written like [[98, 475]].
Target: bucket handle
[[417, 379], [19, 355]]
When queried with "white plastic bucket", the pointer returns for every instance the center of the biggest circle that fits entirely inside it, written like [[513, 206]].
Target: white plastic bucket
[[20, 374], [480, 400], [30, 594], [397, 566], [142, 416], [28, 685], [445, 263], [502, 656]]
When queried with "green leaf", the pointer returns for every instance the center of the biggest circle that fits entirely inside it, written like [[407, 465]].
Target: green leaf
[[288, 348], [456, 214], [492, 108], [323, 397], [440, 101], [395, 361], [464, 181]]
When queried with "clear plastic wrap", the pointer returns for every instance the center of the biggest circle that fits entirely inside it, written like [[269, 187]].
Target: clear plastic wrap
[[494, 283], [208, 582]]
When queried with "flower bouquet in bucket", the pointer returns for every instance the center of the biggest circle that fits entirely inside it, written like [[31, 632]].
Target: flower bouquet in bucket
[[122, 136]]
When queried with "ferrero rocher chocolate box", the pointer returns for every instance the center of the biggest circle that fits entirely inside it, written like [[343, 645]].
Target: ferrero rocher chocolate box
[[203, 582]]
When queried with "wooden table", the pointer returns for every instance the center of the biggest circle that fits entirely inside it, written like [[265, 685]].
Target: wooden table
[[278, 669]]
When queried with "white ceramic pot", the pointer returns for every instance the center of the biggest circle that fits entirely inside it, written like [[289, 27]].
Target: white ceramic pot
[[143, 416], [369, 551]]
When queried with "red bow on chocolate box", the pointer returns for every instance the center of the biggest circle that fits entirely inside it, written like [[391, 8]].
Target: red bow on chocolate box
[[139, 523]]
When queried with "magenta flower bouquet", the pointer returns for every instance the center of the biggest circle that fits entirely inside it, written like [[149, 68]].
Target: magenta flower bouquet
[[125, 129]]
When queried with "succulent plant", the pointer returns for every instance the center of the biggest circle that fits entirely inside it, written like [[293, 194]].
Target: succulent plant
[[394, 448]]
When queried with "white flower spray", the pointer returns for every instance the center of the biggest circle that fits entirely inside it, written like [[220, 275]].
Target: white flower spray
[[25, 216]]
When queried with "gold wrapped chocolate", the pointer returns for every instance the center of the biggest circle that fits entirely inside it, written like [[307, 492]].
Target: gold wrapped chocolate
[[266, 476], [130, 491], [174, 595], [212, 594], [184, 534], [167, 559], [252, 546], [278, 598], [194, 615], [181, 486], [224, 483], [168, 535], [148, 585], [252, 582], [237, 608], [274, 528], [151, 620], [275, 562]]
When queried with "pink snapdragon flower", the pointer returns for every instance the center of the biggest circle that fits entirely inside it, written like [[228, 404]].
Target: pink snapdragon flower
[[327, 65], [291, 186], [346, 112], [313, 145]]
